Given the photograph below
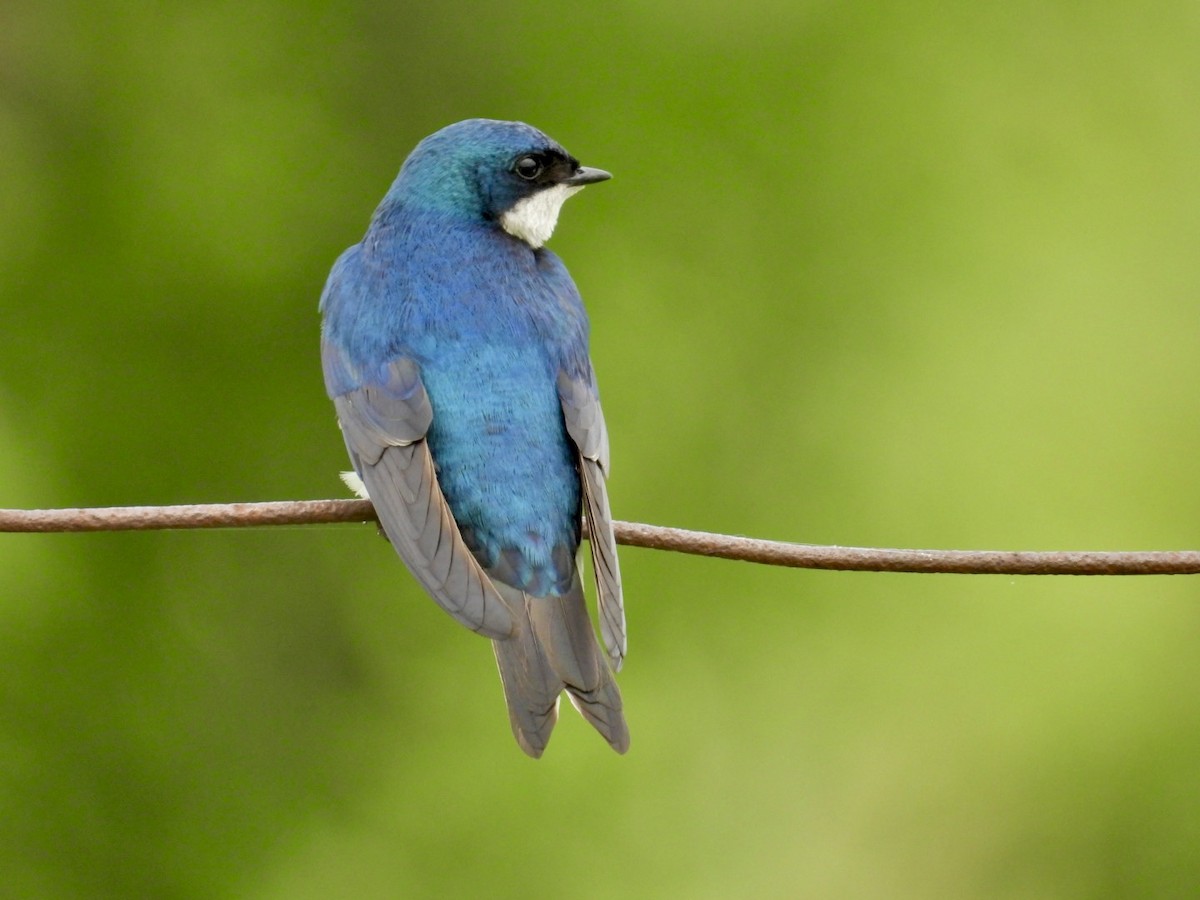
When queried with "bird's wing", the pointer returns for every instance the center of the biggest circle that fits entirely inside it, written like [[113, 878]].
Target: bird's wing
[[585, 425], [384, 424]]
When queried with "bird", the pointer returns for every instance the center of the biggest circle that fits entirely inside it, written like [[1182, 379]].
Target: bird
[[455, 348]]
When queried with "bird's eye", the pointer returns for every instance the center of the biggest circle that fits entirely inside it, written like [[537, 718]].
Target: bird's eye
[[528, 168]]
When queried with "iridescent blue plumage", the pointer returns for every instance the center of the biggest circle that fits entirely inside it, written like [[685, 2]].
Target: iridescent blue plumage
[[456, 350]]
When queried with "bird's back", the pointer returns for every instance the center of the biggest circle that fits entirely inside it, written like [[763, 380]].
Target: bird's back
[[490, 323]]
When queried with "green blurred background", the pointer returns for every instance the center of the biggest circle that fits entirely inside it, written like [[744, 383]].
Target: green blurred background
[[917, 274]]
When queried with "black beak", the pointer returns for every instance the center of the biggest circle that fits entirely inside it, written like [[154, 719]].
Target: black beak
[[587, 175]]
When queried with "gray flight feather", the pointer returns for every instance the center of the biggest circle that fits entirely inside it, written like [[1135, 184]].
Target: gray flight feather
[[585, 424], [384, 426], [603, 545], [552, 649]]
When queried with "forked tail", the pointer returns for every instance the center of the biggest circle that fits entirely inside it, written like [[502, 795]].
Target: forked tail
[[553, 648]]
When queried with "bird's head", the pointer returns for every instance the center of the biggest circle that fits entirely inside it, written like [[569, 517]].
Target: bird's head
[[508, 173]]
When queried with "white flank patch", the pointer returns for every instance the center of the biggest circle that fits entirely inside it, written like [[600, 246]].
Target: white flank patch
[[532, 218], [352, 481]]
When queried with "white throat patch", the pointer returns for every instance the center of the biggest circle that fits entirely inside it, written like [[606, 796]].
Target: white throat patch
[[532, 218]]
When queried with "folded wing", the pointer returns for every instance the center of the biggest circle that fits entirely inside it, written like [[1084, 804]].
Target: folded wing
[[585, 425], [384, 423]]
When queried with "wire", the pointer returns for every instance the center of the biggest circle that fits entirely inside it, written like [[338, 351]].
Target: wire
[[633, 534]]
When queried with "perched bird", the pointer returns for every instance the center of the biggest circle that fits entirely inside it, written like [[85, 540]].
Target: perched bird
[[455, 349]]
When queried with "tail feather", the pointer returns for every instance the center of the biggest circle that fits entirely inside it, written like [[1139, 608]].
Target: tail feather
[[553, 648]]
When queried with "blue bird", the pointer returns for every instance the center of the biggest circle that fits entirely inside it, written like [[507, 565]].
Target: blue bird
[[455, 349]]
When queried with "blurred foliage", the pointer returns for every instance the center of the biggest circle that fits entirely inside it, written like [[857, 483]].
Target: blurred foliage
[[893, 274]]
